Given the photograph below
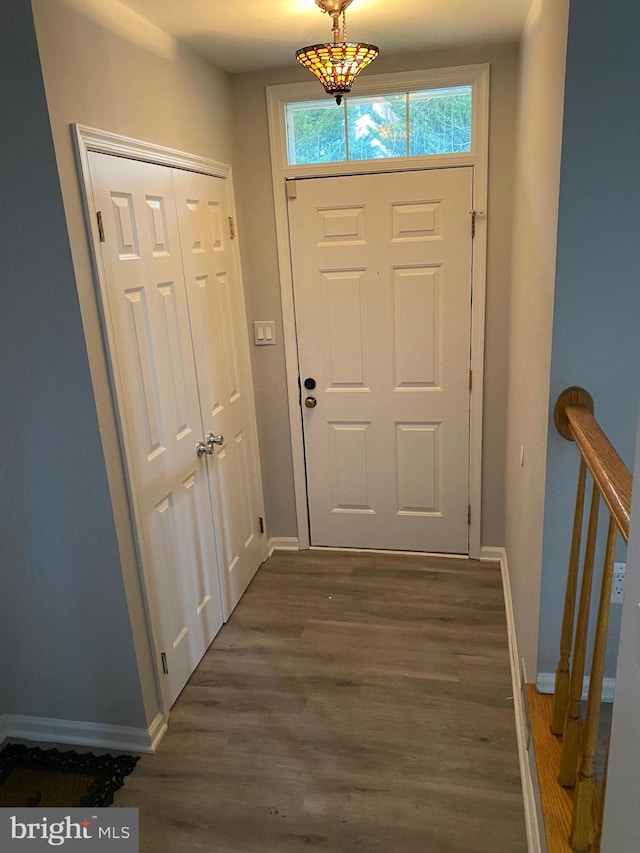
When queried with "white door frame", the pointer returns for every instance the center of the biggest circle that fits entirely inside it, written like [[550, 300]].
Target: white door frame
[[277, 97], [89, 139]]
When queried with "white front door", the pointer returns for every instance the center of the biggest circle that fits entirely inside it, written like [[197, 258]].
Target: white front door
[[181, 531], [382, 286]]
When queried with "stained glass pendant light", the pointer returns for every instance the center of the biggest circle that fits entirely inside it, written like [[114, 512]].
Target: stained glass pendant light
[[338, 63]]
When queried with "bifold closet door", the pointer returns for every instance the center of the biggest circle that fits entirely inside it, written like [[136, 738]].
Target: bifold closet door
[[147, 321], [192, 512]]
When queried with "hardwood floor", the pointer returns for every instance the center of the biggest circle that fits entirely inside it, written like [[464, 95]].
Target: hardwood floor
[[557, 802], [353, 702]]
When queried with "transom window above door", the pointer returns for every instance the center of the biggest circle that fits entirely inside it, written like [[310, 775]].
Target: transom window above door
[[409, 124], [428, 119]]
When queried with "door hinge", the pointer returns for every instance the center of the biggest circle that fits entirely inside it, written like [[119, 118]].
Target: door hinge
[[469, 515], [292, 189], [470, 380], [100, 226], [165, 668], [261, 523], [474, 214], [232, 228]]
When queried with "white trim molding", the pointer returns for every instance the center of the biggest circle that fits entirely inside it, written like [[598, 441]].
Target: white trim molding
[[489, 553], [93, 139], [78, 733], [545, 683], [530, 793], [283, 543], [277, 98]]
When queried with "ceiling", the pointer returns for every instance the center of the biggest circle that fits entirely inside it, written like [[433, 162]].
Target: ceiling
[[249, 35]]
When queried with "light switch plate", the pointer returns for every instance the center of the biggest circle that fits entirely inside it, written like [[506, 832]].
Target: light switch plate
[[264, 332]]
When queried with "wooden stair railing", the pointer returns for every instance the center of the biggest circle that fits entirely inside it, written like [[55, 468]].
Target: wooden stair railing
[[611, 483]]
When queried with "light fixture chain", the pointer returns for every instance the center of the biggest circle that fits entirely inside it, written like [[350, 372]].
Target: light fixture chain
[[336, 64]]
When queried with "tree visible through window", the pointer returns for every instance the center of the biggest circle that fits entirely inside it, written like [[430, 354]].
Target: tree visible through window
[[315, 133], [412, 124], [377, 127], [440, 122]]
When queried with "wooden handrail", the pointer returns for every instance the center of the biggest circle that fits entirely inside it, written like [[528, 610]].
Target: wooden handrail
[[607, 468], [612, 482]]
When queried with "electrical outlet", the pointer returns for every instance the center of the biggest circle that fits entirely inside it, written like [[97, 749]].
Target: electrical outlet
[[617, 587]]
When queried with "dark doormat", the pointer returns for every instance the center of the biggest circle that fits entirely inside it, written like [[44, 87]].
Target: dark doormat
[[30, 776]]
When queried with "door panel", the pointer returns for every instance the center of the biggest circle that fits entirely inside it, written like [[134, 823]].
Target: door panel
[[147, 319], [217, 313], [415, 345], [382, 285]]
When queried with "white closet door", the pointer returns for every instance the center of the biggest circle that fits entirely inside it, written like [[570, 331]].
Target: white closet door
[[147, 322], [220, 343]]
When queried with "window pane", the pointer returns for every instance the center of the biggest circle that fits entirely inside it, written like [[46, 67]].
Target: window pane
[[377, 127], [437, 121], [316, 132], [440, 121]]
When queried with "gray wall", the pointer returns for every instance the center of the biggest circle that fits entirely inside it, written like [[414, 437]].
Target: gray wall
[[72, 626], [621, 828], [66, 641], [542, 52], [596, 342], [147, 86], [255, 197]]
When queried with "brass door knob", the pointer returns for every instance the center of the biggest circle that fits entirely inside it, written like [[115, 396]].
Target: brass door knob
[[310, 402]]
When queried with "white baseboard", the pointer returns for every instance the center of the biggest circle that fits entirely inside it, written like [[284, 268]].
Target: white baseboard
[[535, 834], [490, 553], [157, 730], [283, 543], [78, 733], [545, 683]]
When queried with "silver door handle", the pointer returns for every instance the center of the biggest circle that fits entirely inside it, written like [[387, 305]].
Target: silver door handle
[[214, 439], [202, 448]]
